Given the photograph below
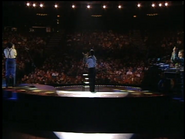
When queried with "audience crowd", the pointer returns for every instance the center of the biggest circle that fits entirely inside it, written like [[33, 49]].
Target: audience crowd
[[122, 57]]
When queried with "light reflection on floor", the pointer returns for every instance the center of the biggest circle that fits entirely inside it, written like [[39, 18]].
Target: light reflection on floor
[[71, 135], [63, 93], [104, 91]]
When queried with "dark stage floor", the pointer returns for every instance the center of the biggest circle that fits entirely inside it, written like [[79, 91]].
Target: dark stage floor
[[66, 112]]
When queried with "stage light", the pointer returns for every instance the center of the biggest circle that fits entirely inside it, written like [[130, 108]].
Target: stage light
[[88, 6], [160, 4], [34, 5], [28, 4], [138, 5], [153, 5], [104, 7], [56, 6], [166, 4], [41, 5], [73, 6], [119, 6]]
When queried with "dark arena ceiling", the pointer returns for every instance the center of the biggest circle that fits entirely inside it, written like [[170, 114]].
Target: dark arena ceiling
[[16, 13]]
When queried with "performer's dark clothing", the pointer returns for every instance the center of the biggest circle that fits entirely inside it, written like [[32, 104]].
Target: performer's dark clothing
[[92, 75]]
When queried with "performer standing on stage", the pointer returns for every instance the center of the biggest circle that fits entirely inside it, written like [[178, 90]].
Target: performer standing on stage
[[90, 61], [10, 64]]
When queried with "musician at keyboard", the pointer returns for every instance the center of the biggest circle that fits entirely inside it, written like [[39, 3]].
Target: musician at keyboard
[[177, 57]]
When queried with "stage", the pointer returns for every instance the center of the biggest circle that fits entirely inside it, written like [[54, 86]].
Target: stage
[[102, 91], [111, 109]]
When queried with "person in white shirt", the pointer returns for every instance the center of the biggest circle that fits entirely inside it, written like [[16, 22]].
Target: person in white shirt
[[10, 64]]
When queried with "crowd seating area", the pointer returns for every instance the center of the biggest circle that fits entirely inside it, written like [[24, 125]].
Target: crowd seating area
[[122, 57]]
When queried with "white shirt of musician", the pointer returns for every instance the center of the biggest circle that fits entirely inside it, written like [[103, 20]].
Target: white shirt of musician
[[10, 52]]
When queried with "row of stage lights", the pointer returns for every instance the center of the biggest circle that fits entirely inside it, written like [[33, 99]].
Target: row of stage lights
[[41, 5]]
